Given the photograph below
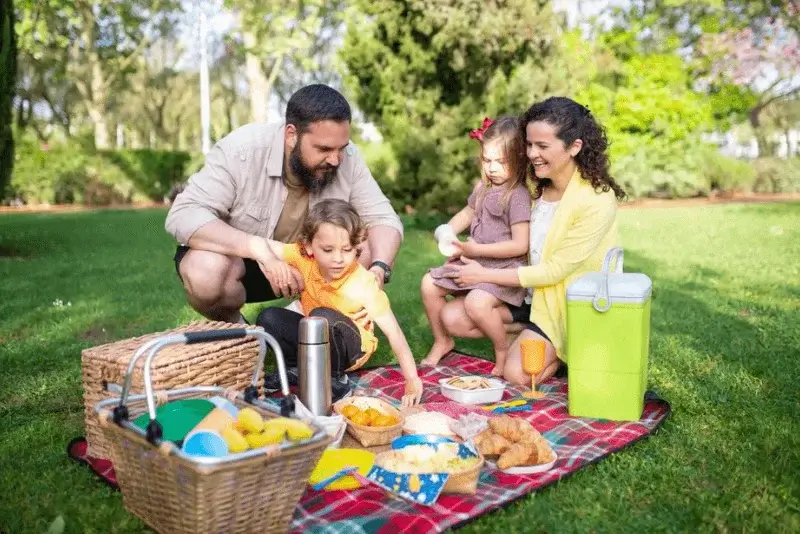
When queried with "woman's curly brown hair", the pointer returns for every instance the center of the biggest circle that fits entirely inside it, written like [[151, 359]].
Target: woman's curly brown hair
[[573, 121]]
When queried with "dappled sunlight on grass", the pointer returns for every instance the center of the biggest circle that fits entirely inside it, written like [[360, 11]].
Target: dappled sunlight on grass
[[723, 351]]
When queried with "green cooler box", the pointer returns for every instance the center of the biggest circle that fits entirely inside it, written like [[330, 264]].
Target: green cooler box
[[608, 342]]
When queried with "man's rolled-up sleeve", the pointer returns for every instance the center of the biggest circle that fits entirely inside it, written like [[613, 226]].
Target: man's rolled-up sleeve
[[369, 201], [209, 195]]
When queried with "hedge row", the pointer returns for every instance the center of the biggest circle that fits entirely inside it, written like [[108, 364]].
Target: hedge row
[[69, 174]]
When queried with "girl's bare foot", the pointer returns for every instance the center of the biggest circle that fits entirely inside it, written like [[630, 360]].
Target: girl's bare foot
[[438, 351], [500, 356]]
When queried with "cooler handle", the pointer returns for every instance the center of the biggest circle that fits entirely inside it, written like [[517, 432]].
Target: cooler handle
[[601, 300]]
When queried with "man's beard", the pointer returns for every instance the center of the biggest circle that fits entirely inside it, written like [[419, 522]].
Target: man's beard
[[306, 174]]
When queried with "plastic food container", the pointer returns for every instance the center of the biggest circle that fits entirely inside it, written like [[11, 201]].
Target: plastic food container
[[473, 396]]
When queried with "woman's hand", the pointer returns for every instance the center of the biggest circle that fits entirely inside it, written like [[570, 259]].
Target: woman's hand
[[413, 392], [470, 273]]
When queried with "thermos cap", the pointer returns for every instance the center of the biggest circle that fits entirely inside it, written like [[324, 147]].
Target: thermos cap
[[313, 330]]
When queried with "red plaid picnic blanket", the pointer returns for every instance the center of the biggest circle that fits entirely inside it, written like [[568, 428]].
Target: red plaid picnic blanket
[[369, 510], [577, 443]]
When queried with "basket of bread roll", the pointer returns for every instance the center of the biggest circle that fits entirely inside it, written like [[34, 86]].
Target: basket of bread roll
[[370, 420], [512, 445], [426, 422]]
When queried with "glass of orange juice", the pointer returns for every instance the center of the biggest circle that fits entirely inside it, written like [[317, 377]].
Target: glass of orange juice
[[533, 351]]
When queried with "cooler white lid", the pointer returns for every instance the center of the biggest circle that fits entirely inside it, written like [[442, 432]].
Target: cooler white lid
[[631, 288]]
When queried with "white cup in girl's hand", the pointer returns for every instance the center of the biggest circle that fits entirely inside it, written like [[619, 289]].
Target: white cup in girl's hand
[[445, 235]]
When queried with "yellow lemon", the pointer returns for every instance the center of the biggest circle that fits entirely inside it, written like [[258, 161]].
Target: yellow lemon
[[350, 410], [295, 429], [361, 418], [235, 440], [250, 420], [298, 430], [373, 414], [268, 436], [384, 420]]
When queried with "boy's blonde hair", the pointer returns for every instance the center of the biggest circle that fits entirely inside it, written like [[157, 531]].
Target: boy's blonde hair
[[507, 130], [336, 212]]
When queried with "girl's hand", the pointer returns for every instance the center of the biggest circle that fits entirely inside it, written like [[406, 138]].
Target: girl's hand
[[413, 392], [465, 248], [470, 273]]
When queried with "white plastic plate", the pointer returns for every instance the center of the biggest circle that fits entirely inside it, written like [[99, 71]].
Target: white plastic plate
[[525, 469]]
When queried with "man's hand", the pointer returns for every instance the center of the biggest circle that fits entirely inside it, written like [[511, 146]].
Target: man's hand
[[360, 318], [379, 274], [285, 281]]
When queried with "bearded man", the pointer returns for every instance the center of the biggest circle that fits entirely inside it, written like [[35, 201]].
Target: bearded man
[[258, 183]]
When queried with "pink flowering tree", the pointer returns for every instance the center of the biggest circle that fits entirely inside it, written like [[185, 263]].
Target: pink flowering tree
[[762, 57]]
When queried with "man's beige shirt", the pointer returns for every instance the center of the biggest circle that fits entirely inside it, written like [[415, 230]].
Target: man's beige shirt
[[241, 185]]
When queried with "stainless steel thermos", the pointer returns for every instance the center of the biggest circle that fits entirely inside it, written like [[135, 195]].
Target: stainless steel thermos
[[314, 365]]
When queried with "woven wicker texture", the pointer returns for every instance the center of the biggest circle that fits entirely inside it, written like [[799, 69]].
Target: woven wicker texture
[[369, 436], [228, 364], [176, 496]]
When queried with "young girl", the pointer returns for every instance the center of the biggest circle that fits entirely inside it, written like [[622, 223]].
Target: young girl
[[574, 224], [336, 287], [497, 214]]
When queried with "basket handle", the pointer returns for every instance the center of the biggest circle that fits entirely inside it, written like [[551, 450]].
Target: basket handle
[[152, 347], [602, 300]]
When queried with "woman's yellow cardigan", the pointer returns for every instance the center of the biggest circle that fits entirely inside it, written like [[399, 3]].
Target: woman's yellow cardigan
[[583, 229]]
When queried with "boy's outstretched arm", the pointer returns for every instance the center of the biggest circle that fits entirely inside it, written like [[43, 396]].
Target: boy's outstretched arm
[[388, 324]]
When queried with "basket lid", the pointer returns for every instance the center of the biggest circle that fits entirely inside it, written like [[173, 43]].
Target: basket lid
[[630, 288]]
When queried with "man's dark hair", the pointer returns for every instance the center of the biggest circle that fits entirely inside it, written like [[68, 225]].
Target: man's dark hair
[[315, 103]]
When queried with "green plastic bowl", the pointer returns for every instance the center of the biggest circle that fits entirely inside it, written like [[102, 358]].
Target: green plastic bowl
[[178, 417]]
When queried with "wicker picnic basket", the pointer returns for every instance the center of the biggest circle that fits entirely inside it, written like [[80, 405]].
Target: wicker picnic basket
[[252, 491], [369, 436], [226, 363]]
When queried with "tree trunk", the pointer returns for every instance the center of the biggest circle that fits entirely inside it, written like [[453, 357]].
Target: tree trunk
[[8, 78], [21, 118], [258, 84], [96, 106], [755, 122]]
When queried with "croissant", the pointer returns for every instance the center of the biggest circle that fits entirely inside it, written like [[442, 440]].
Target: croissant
[[517, 454], [489, 443], [544, 453], [512, 428]]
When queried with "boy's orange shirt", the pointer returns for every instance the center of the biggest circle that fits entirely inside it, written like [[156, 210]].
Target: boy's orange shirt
[[357, 288]]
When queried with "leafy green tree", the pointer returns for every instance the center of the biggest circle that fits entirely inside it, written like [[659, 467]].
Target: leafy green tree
[[426, 72], [94, 45], [280, 34], [745, 54]]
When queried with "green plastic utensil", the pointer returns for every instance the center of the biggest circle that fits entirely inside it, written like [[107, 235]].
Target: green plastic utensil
[[178, 417]]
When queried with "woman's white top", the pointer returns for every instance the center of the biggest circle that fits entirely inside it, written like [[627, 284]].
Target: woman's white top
[[541, 217]]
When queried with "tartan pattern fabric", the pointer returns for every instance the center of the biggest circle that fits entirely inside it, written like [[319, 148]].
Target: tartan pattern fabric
[[369, 510], [577, 443]]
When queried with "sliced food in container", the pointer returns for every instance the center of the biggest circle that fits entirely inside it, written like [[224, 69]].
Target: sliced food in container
[[473, 389]]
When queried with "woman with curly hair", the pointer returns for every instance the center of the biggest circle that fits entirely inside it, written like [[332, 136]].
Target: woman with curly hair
[[573, 225]]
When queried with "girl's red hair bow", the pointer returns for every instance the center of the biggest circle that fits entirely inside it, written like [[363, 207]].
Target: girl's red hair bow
[[478, 133]]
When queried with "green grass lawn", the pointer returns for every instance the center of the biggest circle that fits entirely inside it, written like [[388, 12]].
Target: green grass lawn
[[725, 352]]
